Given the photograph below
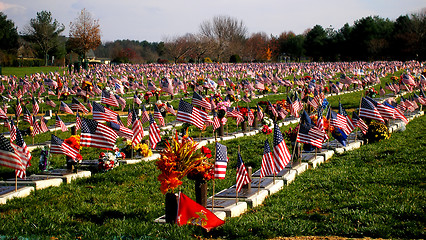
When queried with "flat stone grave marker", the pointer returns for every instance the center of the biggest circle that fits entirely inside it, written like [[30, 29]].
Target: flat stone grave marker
[[220, 203], [38, 181], [8, 189], [278, 175], [264, 183]]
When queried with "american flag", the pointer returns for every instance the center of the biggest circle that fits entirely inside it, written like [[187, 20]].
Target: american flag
[[50, 103], [78, 106], [408, 79], [151, 86], [335, 119], [101, 113], [397, 113], [154, 132], [2, 114], [118, 88], [417, 99], [281, 154], [58, 146], [136, 99], [281, 112], [259, 85], [36, 127], [36, 108], [129, 117], [18, 109], [22, 151], [158, 116], [296, 107], [120, 101], [385, 111], [216, 122], [259, 113], [250, 116], [197, 100], [27, 115], [97, 135], [242, 175], [221, 161], [190, 114], [65, 108], [50, 83], [349, 126], [166, 85], [121, 131], [368, 110], [221, 82], [137, 131], [12, 129], [8, 156], [267, 167], [60, 124], [310, 134], [320, 122], [77, 122], [170, 109], [358, 122], [235, 113], [144, 115], [273, 110], [109, 99]]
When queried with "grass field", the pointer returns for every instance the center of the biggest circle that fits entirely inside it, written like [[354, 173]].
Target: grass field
[[22, 71], [376, 191]]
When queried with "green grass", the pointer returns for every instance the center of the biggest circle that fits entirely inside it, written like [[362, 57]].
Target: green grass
[[376, 191], [22, 71]]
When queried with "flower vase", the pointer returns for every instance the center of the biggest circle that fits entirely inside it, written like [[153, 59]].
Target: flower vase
[[221, 129], [171, 208], [255, 122], [244, 126], [201, 192]]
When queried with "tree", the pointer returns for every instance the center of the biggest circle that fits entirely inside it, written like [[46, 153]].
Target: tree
[[227, 34], [85, 34], [43, 33], [178, 47], [8, 34], [315, 40]]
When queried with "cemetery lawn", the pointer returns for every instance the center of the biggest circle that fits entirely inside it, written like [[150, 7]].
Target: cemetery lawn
[[376, 191], [22, 71]]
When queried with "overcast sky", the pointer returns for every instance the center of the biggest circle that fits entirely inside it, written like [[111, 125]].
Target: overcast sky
[[154, 20]]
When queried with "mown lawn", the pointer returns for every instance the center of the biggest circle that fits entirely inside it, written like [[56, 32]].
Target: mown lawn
[[376, 191]]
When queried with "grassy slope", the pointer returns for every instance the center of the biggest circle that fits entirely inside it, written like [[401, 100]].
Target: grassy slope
[[376, 191]]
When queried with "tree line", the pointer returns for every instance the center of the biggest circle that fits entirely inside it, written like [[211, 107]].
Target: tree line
[[221, 39]]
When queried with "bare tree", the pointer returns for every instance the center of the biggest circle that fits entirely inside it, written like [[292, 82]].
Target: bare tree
[[256, 47], [225, 32], [85, 33], [178, 47]]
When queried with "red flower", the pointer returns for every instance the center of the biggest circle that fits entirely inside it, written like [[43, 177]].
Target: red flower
[[206, 151]]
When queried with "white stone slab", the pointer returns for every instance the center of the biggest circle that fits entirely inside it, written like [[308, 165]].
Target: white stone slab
[[300, 168], [225, 138], [352, 146], [314, 162], [289, 177], [277, 186], [202, 143], [68, 178], [153, 157], [38, 184], [238, 135], [20, 193], [256, 199], [220, 214], [339, 150], [234, 210]]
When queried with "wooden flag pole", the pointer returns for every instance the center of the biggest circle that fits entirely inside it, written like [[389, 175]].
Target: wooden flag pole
[[16, 182], [215, 153], [359, 109], [236, 196]]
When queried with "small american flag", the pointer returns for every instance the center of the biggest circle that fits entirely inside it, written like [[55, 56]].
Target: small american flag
[[273, 110], [109, 99], [101, 113], [43, 126], [188, 113], [58, 146], [121, 130], [137, 131], [2, 114], [50, 103], [60, 124], [170, 109], [22, 151], [259, 113], [136, 99], [358, 122], [120, 101], [77, 121], [151, 86], [197, 100], [216, 122], [144, 115], [78, 106], [154, 133], [36, 108], [158, 116], [129, 117], [65, 108], [242, 175], [349, 126], [281, 154], [27, 115], [8, 156], [336, 120], [310, 134], [12, 130], [397, 113], [368, 110], [385, 111], [267, 167], [97, 135], [250, 116], [221, 161]]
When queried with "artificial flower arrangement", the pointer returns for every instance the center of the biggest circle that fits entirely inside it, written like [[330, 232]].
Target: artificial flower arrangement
[[177, 160], [74, 142], [140, 149], [108, 161], [371, 92], [267, 121], [204, 171], [291, 133], [377, 131], [221, 108], [266, 130]]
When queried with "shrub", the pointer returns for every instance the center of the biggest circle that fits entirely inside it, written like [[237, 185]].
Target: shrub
[[207, 60], [235, 58]]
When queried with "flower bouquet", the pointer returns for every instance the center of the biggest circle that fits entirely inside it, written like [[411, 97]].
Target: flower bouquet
[[140, 149], [204, 171], [177, 160], [74, 142], [377, 131], [107, 161], [266, 130]]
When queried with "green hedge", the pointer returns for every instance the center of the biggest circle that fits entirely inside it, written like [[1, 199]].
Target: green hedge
[[35, 62]]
